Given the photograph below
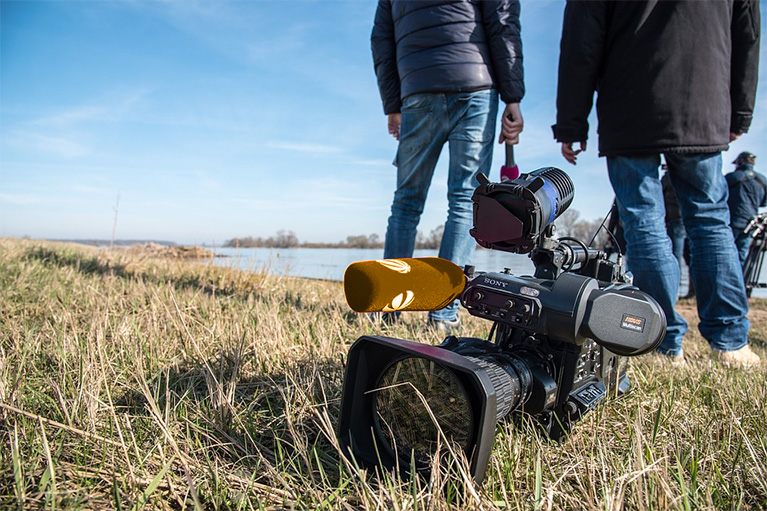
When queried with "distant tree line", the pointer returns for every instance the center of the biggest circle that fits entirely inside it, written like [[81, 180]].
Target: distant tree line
[[569, 224], [283, 239], [288, 239]]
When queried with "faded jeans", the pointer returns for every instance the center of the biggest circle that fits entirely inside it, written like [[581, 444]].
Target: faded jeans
[[466, 122], [715, 268]]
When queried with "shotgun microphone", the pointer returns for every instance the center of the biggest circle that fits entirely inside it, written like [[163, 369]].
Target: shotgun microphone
[[410, 284]]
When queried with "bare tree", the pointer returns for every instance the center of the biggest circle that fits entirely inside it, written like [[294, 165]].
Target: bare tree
[[566, 222], [569, 224], [285, 239], [432, 241]]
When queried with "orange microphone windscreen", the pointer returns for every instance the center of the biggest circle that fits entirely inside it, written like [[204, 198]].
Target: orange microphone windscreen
[[411, 284]]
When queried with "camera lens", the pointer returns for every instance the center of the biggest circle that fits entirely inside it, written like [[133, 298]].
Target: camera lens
[[415, 399], [511, 380]]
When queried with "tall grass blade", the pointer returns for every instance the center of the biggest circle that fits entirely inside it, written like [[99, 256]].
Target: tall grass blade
[[18, 472], [153, 484]]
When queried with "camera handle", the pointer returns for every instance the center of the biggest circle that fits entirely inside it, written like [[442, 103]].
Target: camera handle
[[509, 171]]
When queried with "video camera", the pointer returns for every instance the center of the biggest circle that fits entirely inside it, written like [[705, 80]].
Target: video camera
[[555, 350]]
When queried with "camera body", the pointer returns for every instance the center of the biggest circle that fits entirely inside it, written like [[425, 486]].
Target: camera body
[[544, 334], [556, 349]]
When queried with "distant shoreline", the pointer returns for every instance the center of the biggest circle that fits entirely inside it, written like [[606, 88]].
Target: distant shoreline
[[129, 243]]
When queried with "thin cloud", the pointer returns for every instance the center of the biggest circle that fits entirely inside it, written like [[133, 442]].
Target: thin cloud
[[333, 192], [20, 199], [71, 116], [374, 163], [61, 146], [287, 41], [113, 107], [304, 147], [90, 189]]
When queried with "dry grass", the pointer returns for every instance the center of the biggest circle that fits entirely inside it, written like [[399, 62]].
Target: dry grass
[[129, 382]]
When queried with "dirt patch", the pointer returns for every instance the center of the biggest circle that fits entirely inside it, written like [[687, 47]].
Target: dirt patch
[[174, 252]]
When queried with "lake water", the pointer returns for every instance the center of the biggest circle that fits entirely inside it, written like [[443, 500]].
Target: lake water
[[330, 263]]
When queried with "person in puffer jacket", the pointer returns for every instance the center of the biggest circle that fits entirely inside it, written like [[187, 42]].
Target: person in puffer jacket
[[441, 66]]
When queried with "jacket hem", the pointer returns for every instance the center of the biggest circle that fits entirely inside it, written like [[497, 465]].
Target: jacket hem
[[663, 149]]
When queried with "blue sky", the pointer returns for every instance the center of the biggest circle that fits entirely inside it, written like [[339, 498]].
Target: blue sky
[[212, 120]]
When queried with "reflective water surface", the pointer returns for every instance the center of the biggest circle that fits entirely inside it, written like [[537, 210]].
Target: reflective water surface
[[330, 263]]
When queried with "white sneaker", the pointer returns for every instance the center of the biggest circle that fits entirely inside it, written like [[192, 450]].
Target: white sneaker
[[673, 360], [444, 326], [738, 359]]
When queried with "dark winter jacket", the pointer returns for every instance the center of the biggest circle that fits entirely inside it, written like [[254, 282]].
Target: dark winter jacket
[[447, 46], [672, 76], [748, 193]]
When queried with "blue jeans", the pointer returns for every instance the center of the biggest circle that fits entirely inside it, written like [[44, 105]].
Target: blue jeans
[[702, 192], [742, 243], [466, 121]]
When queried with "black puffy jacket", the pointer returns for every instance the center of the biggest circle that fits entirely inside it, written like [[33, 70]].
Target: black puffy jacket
[[671, 76], [447, 46]]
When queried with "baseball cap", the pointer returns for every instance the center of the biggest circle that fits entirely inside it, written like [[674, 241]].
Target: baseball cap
[[745, 156]]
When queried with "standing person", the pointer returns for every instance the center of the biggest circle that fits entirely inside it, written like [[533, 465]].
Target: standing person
[[675, 228], [748, 193], [674, 225], [680, 247], [673, 78], [440, 67]]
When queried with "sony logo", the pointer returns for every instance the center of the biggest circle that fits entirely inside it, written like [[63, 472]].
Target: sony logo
[[496, 283]]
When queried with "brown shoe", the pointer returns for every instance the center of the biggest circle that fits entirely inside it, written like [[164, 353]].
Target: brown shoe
[[738, 359]]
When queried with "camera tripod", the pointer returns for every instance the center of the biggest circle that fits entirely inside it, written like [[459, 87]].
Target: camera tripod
[[752, 268]]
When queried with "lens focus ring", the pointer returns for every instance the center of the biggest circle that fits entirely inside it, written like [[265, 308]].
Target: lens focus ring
[[508, 389]]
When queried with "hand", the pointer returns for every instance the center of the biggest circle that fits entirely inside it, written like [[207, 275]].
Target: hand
[[394, 121], [734, 136], [569, 153], [512, 124]]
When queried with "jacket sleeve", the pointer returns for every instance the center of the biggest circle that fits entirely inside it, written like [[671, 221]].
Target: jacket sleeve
[[502, 27], [384, 49], [762, 181], [580, 59], [744, 69]]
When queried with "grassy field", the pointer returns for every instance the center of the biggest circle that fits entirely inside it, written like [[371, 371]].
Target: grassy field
[[130, 382]]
